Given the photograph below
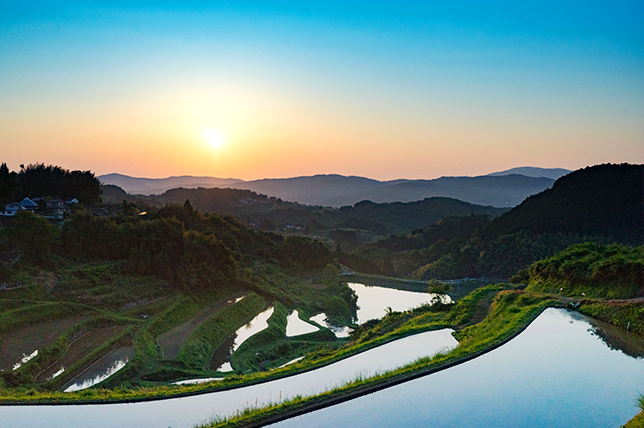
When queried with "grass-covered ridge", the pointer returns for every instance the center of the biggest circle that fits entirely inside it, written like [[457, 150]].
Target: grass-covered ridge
[[510, 312], [590, 270]]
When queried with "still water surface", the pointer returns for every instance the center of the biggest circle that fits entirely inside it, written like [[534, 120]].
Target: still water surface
[[559, 372], [105, 367], [374, 301], [338, 330], [296, 327], [257, 324], [187, 411]]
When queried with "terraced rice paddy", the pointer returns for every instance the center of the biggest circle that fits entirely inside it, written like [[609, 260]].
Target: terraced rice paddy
[[103, 368], [86, 342], [296, 327], [172, 340], [26, 340], [259, 323]]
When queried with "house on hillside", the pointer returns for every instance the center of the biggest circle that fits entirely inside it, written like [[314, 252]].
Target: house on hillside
[[55, 207], [12, 208], [48, 207], [28, 204]]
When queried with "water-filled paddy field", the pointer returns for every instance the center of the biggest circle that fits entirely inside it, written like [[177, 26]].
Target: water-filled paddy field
[[562, 361], [559, 372], [186, 411]]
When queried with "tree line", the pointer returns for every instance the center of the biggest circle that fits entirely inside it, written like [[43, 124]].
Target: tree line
[[190, 249], [40, 180]]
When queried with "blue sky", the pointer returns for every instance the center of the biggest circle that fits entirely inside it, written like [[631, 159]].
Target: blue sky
[[386, 90]]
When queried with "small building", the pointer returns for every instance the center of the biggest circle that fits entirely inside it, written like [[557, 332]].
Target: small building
[[12, 208], [56, 207], [28, 204]]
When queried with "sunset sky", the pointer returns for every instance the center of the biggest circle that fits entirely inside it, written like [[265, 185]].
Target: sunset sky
[[278, 89]]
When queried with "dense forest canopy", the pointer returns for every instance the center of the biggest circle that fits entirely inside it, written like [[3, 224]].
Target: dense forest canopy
[[602, 200], [603, 204], [40, 180], [272, 214], [434, 238]]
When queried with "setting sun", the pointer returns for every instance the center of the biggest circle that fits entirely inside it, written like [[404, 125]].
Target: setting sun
[[216, 139]]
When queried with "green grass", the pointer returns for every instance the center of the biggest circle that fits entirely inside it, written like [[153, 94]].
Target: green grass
[[504, 311], [638, 420], [49, 355], [199, 347], [31, 314], [405, 323], [625, 315], [511, 312], [271, 348]]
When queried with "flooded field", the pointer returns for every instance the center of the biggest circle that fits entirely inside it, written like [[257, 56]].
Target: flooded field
[[105, 367], [296, 327], [185, 412], [172, 340], [339, 331], [221, 358], [374, 301], [193, 381], [558, 373], [26, 340], [78, 349]]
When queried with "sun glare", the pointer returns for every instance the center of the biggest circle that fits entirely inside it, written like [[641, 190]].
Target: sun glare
[[216, 139]]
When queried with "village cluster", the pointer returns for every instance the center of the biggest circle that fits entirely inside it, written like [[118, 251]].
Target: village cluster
[[48, 207]]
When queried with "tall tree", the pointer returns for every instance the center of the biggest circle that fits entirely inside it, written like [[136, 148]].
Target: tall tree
[[49, 180]]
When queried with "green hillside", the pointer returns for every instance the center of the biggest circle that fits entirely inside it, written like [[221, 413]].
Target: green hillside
[[591, 270], [274, 214], [602, 200], [601, 204]]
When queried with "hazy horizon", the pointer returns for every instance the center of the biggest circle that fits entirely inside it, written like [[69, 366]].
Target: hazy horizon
[[280, 89]]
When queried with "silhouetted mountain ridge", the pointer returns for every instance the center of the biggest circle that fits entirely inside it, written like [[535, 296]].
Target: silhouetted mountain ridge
[[602, 200], [273, 214], [338, 190], [531, 171]]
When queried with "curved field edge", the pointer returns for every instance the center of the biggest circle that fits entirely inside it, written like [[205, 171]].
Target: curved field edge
[[414, 323], [511, 312]]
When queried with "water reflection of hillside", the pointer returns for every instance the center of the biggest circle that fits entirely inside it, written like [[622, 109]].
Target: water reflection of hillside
[[617, 338]]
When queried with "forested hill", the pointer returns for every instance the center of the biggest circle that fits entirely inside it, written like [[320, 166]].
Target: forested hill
[[603, 200], [274, 214], [411, 215], [602, 204]]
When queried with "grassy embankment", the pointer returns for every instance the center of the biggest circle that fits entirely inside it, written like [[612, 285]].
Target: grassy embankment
[[638, 420], [511, 311], [279, 349], [392, 326], [147, 307]]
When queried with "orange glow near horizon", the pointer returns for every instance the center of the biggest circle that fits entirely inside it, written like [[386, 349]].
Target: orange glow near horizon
[[271, 132], [286, 93]]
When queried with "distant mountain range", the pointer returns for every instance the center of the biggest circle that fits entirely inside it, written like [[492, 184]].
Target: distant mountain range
[[531, 171], [500, 189], [602, 203], [156, 186]]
